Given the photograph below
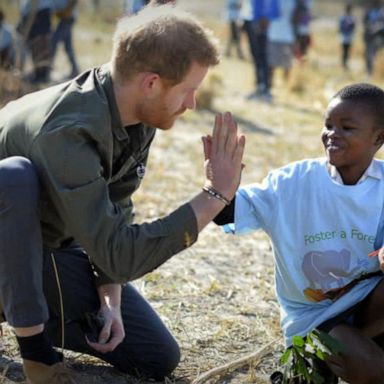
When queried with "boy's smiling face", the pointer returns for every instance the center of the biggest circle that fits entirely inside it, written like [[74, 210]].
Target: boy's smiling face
[[350, 137]]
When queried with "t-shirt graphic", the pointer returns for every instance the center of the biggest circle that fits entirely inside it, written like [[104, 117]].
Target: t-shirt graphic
[[325, 271]]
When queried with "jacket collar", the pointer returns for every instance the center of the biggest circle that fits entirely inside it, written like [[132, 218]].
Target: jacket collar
[[104, 76]]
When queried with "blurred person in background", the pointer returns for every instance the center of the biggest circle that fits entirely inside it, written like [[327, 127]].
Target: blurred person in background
[[301, 19], [66, 12], [246, 16], [72, 155], [232, 15], [281, 39], [35, 28], [263, 12], [133, 6], [96, 5], [373, 21], [7, 53], [347, 26], [166, 2]]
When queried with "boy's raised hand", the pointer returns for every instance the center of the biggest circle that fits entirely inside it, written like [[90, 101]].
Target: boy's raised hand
[[223, 153]]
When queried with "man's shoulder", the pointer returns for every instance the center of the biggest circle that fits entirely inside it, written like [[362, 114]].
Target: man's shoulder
[[81, 101], [77, 103]]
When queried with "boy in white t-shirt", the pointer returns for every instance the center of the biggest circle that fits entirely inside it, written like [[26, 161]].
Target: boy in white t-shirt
[[324, 217]]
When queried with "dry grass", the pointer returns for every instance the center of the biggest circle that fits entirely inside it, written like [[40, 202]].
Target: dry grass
[[11, 86], [218, 297]]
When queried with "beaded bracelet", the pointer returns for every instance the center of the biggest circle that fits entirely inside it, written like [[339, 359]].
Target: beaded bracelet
[[217, 195]]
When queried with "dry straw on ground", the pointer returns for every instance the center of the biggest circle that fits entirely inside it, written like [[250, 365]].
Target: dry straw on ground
[[11, 86]]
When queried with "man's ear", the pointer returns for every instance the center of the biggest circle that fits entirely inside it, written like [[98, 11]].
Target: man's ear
[[151, 84]]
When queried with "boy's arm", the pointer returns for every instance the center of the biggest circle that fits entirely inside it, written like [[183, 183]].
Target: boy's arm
[[227, 215]]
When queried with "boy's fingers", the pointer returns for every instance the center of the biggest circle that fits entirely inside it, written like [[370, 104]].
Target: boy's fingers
[[239, 151]]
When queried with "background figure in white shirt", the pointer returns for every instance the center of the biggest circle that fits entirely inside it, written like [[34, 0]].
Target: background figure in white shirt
[[232, 14], [281, 39]]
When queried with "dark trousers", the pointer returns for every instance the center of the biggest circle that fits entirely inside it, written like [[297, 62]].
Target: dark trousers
[[370, 54], [7, 58], [257, 40], [63, 33], [262, 67], [250, 32], [29, 291], [38, 40], [346, 48]]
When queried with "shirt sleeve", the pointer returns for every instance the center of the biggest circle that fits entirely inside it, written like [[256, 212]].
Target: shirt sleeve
[[71, 172], [227, 215], [255, 206]]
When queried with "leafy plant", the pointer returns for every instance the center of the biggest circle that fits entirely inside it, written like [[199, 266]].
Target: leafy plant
[[302, 359]]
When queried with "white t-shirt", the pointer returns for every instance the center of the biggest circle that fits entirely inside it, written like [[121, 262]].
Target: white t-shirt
[[321, 232], [281, 29]]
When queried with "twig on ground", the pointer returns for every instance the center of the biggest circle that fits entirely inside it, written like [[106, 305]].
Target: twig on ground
[[254, 358]]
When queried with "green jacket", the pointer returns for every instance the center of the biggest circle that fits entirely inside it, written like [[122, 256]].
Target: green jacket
[[89, 167]]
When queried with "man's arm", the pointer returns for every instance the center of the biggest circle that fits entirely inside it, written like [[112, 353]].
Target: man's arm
[[73, 176], [227, 215]]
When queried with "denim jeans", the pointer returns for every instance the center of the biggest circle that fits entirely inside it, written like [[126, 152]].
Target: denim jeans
[[29, 286]]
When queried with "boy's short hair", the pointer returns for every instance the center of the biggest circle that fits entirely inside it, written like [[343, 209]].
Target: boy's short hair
[[369, 95], [164, 40]]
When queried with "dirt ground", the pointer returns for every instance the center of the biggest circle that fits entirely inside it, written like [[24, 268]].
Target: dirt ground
[[217, 297]]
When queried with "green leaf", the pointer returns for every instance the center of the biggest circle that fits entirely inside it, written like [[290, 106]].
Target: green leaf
[[320, 355], [298, 341], [286, 355], [300, 357], [301, 366], [330, 342]]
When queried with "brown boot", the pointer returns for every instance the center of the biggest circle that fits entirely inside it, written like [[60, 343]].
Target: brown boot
[[39, 373]]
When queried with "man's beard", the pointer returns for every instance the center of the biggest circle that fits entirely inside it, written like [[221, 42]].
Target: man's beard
[[156, 114]]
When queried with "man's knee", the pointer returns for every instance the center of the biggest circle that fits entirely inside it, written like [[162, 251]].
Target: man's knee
[[17, 170], [169, 360], [156, 362], [18, 179]]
